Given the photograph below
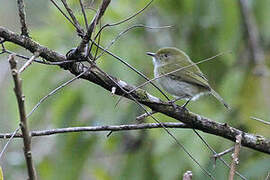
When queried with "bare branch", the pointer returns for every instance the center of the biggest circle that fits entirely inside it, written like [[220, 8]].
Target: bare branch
[[214, 152], [76, 23], [256, 142], [126, 30], [29, 62], [113, 128], [260, 120], [84, 14], [62, 12], [223, 153], [24, 30], [54, 91], [24, 127], [145, 115], [94, 22], [41, 61], [235, 156]]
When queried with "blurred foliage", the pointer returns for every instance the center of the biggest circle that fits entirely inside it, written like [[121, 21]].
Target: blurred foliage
[[201, 28]]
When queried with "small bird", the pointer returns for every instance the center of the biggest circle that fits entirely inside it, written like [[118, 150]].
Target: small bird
[[181, 77]]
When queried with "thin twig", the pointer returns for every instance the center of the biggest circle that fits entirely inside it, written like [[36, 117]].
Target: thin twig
[[260, 120], [29, 62], [117, 23], [23, 118], [84, 14], [73, 17], [41, 61], [126, 30], [235, 156], [103, 128], [24, 30], [145, 115], [218, 155], [54, 91], [124, 20], [9, 140], [62, 12]]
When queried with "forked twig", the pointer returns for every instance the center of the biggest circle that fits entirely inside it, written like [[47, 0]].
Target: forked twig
[[214, 152], [223, 153]]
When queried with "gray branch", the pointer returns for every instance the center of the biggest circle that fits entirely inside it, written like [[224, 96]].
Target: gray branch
[[99, 128], [23, 120]]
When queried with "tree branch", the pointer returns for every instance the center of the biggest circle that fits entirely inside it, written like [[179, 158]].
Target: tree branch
[[21, 10], [24, 127], [94, 75], [99, 128]]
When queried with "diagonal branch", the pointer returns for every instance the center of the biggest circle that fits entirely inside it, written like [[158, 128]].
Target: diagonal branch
[[93, 75], [23, 124], [73, 17]]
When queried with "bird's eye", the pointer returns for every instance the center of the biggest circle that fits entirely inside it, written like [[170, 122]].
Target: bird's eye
[[165, 55]]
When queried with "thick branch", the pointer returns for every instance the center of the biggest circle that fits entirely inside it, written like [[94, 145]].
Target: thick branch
[[99, 128], [24, 127], [93, 75]]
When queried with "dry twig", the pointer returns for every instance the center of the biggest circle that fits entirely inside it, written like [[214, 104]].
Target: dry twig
[[23, 124], [104, 128], [235, 156]]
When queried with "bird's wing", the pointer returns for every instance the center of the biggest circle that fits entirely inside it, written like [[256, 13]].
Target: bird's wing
[[192, 73]]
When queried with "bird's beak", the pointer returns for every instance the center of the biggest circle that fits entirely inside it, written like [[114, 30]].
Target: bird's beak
[[151, 54]]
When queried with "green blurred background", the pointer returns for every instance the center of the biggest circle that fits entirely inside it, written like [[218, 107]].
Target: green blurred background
[[201, 28]]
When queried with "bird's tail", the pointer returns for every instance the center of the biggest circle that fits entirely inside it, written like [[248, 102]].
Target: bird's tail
[[220, 99]]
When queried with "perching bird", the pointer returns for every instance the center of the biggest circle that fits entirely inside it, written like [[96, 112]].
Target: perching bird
[[180, 76]]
